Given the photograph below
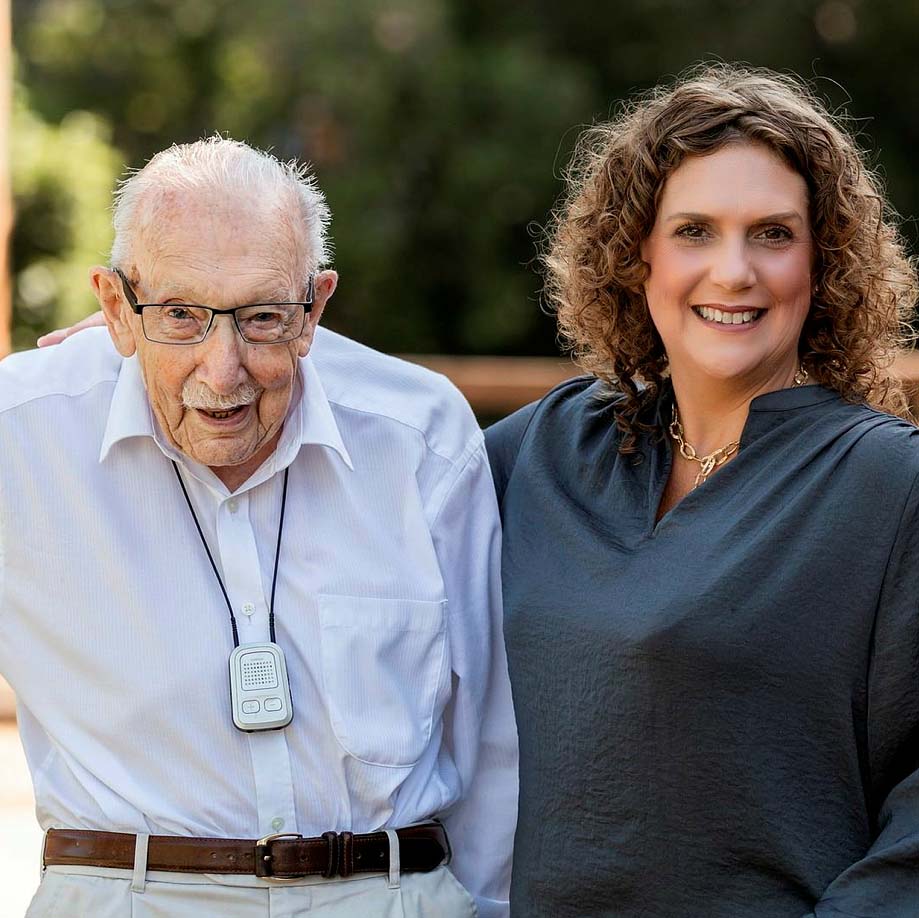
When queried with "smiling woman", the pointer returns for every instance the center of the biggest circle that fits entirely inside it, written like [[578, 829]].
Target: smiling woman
[[710, 542], [729, 258], [862, 286]]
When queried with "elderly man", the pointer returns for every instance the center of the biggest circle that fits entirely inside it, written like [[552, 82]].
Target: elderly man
[[249, 592]]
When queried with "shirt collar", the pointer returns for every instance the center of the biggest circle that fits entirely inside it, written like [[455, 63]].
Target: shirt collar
[[778, 401], [793, 399], [309, 421], [129, 414], [315, 422]]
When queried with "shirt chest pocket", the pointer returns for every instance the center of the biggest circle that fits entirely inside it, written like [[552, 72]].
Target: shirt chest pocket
[[385, 670]]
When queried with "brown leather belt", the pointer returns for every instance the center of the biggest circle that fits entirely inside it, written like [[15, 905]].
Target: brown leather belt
[[282, 857]]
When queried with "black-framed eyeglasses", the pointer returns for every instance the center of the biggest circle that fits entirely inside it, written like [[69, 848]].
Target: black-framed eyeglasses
[[189, 323]]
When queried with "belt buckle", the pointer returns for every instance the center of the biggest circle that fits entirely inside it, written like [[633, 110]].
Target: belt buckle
[[263, 856]]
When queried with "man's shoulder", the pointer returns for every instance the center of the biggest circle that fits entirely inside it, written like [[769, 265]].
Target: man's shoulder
[[358, 379], [70, 369]]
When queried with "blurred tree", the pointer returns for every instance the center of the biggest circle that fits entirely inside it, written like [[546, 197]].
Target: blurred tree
[[434, 156], [62, 178], [439, 127]]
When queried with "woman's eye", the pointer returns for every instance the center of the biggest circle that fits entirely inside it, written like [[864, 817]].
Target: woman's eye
[[692, 231], [776, 234], [178, 313]]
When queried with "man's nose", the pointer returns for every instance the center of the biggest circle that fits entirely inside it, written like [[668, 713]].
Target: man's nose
[[220, 364], [732, 265]]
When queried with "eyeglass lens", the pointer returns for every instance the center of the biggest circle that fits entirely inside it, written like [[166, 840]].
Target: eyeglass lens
[[262, 324]]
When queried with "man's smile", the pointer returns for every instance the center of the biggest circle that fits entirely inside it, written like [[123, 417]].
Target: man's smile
[[224, 419]]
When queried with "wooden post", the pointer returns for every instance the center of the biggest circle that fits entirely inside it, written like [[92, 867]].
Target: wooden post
[[6, 226], [6, 196]]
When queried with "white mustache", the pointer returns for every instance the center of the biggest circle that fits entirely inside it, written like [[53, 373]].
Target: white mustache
[[198, 395]]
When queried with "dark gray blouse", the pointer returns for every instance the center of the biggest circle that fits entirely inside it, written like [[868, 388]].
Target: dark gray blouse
[[718, 713]]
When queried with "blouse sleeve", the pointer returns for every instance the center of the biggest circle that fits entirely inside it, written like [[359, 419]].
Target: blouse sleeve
[[885, 882], [503, 443]]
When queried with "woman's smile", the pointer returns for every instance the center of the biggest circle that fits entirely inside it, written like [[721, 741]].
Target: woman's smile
[[729, 318]]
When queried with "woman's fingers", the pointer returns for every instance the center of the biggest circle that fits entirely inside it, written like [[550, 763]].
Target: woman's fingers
[[59, 334]]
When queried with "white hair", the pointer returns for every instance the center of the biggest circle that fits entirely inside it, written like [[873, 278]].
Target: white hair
[[228, 167]]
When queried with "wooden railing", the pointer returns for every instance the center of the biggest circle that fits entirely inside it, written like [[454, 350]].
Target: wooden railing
[[496, 386]]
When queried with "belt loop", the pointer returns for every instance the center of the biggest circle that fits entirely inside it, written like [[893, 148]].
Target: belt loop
[[139, 881], [394, 871], [345, 854], [334, 861], [44, 844]]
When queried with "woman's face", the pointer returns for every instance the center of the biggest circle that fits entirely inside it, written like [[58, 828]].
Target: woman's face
[[731, 256]]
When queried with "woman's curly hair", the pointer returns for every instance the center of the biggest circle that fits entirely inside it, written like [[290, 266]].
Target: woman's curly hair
[[864, 284]]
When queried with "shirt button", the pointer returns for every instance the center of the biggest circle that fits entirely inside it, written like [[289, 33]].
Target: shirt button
[[232, 505], [277, 823], [248, 608]]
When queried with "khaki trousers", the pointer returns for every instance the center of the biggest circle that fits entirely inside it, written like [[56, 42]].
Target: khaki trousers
[[91, 892]]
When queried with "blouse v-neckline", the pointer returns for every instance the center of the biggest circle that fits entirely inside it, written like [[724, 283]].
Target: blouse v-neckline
[[766, 412]]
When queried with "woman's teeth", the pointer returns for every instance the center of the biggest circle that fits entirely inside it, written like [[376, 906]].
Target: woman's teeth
[[728, 318]]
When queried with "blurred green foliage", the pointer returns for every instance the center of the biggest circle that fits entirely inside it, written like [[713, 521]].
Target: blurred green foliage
[[62, 175], [438, 128]]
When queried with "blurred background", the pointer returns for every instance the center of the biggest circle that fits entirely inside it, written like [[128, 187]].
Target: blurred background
[[439, 130]]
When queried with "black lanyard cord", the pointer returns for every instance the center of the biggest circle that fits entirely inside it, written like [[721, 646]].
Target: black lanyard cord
[[210, 557], [277, 557]]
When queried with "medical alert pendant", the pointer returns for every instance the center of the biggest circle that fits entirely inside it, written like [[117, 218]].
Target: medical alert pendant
[[259, 688]]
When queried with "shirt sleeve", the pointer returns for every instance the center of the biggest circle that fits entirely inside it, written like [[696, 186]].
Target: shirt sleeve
[[885, 882], [480, 731]]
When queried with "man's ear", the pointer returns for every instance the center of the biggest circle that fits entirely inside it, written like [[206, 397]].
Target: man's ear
[[324, 284], [106, 286]]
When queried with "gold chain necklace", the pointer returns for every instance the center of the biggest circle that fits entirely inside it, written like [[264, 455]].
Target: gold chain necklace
[[708, 464]]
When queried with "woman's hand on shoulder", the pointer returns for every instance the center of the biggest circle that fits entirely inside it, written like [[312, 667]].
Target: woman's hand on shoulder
[[58, 335]]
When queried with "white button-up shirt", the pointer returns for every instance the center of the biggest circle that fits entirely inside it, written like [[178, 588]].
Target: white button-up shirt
[[115, 635]]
